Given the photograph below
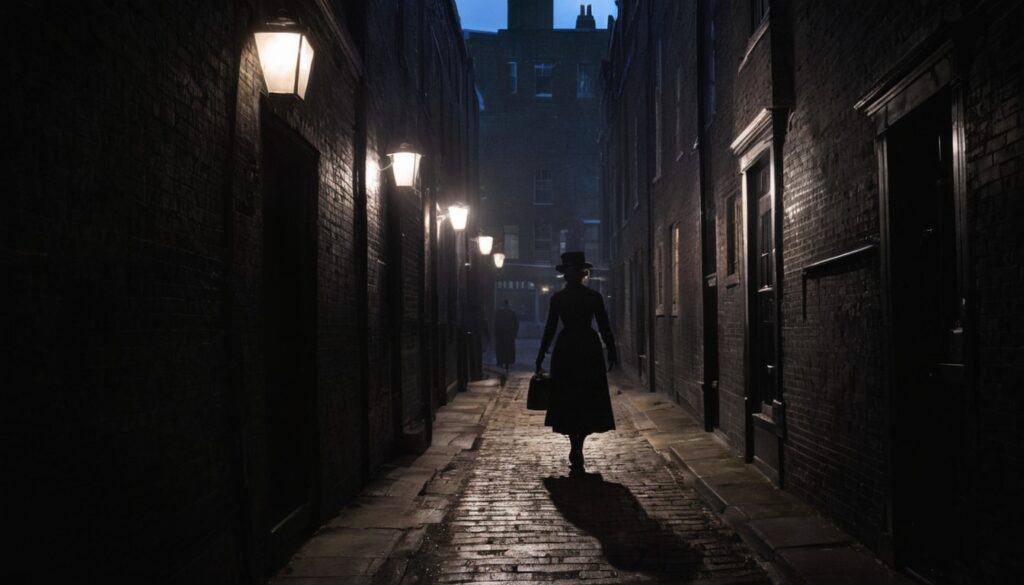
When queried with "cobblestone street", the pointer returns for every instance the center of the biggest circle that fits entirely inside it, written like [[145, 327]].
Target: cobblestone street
[[521, 518]]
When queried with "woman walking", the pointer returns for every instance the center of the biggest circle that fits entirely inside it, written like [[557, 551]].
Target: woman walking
[[580, 404]]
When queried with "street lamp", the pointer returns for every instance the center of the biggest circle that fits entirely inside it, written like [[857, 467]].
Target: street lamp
[[286, 56], [459, 215], [486, 244], [499, 259], [405, 164]]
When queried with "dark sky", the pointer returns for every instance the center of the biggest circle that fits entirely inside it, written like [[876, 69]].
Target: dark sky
[[491, 14]]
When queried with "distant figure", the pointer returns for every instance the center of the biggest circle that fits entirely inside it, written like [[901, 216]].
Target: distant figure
[[506, 328], [579, 403]]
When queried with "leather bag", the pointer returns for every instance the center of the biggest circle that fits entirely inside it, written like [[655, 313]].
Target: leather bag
[[539, 395]]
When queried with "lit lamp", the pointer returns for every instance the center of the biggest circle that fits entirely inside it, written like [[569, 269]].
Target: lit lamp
[[459, 215], [499, 259], [405, 165], [286, 56], [486, 243]]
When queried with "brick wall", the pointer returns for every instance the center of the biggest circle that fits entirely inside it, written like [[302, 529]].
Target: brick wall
[[136, 443], [816, 61]]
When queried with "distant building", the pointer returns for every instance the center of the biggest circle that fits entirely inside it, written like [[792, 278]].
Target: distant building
[[539, 157]]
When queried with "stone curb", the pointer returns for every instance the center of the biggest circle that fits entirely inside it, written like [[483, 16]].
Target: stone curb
[[802, 546]]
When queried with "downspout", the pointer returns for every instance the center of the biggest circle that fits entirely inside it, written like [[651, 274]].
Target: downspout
[[649, 264]]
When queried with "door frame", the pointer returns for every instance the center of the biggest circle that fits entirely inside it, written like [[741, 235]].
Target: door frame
[[762, 140], [930, 68], [286, 536]]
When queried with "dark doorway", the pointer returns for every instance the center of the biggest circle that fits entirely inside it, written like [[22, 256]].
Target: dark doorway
[[640, 314], [928, 338], [762, 391], [709, 250], [289, 318]]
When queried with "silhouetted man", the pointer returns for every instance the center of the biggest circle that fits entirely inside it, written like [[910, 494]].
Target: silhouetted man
[[506, 327]]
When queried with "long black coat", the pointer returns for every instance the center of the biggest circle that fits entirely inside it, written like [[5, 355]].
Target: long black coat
[[506, 327], [579, 403]]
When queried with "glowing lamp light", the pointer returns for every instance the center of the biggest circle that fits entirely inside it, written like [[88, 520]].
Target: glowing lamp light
[[486, 244], [545, 289], [405, 165], [286, 57], [499, 259], [459, 214]]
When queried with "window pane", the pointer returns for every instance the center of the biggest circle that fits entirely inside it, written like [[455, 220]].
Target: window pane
[[513, 77], [511, 242], [584, 85], [542, 74], [543, 192]]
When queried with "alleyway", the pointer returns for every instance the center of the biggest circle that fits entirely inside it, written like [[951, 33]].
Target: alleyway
[[515, 515]]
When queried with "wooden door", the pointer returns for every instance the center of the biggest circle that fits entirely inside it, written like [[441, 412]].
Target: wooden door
[[928, 334], [289, 313]]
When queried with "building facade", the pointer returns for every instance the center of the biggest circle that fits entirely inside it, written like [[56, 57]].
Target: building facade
[[228, 314], [810, 207], [539, 159]]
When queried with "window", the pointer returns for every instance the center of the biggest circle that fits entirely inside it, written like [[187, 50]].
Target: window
[[758, 12], [679, 110], [511, 242], [563, 241], [659, 272], [709, 61], [674, 291], [542, 76], [657, 113], [542, 240], [543, 194], [513, 77], [584, 85], [730, 234], [592, 239], [635, 156]]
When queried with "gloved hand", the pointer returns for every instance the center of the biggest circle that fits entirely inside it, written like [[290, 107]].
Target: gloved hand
[[613, 359]]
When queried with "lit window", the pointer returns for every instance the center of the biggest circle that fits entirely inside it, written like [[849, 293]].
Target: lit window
[[542, 74], [543, 194]]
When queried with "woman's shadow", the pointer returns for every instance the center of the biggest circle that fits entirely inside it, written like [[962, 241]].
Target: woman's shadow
[[630, 539]]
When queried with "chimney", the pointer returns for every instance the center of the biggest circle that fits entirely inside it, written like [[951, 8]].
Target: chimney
[[531, 14], [585, 21]]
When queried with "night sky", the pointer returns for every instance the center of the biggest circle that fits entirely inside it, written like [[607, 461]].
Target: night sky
[[492, 14]]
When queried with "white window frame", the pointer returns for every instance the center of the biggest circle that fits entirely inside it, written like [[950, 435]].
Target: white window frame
[[538, 72], [543, 182]]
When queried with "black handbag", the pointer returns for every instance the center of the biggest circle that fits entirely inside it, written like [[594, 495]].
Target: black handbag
[[540, 392]]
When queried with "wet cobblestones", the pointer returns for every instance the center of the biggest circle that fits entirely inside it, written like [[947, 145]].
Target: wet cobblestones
[[521, 517]]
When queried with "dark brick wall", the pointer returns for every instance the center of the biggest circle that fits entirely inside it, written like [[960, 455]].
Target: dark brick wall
[[993, 88], [817, 60], [135, 440]]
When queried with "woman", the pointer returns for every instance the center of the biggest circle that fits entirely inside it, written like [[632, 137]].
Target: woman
[[579, 403]]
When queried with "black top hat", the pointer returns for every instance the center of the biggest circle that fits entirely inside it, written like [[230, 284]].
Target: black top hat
[[573, 260]]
